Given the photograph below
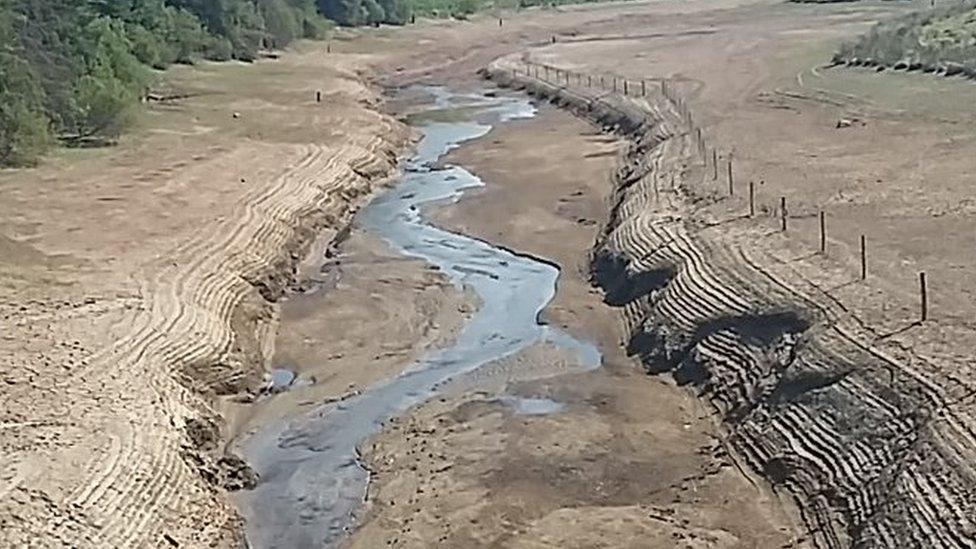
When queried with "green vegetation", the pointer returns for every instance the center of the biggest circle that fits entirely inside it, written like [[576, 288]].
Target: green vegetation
[[460, 8], [940, 40], [74, 70]]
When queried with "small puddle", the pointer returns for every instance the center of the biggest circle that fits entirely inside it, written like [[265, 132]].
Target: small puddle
[[281, 379], [311, 483], [533, 406]]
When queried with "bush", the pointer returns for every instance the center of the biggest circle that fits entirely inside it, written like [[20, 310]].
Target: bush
[[940, 40], [281, 21], [220, 49], [106, 107], [24, 136]]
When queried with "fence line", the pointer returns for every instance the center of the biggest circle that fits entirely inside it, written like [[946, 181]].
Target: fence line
[[638, 87]]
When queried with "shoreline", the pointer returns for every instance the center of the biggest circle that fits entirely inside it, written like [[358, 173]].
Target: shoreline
[[151, 468], [627, 449], [709, 318]]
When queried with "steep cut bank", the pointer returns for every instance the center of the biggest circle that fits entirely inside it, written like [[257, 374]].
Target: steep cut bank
[[111, 433], [875, 452]]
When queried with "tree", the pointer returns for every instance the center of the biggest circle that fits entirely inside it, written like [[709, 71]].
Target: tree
[[397, 11], [281, 22], [344, 12], [24, 131], [106, 106]]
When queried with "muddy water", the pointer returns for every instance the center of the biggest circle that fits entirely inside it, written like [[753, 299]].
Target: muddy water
[[311, 483]]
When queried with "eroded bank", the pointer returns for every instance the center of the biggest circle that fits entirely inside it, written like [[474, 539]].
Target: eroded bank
[[310, 484], [869, 448]]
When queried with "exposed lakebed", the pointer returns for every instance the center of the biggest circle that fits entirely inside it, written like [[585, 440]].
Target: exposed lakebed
[[311, 483]]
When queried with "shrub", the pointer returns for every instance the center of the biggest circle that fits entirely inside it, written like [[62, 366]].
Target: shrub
[[942, 39], [106, 107]]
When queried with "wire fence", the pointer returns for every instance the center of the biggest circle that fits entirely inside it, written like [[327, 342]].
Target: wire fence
[[709, 156]]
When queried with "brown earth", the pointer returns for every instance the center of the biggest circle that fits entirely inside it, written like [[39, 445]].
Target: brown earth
[[137, 283], [631, 461], [370, 314], [860, 407], [134, 289]]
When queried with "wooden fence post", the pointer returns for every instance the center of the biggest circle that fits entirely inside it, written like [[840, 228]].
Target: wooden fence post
[[643, 88], [823, 233], [782, 211], [625, 86], [318, 96], [731, 184], [864, 259], [923, 288], [715, 164]]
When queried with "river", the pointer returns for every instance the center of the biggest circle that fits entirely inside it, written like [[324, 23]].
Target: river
[[311, 483]]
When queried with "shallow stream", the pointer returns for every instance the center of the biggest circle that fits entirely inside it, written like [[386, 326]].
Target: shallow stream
[[311, 483]]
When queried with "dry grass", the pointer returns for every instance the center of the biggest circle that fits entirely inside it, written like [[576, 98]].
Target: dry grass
[[939, 40]]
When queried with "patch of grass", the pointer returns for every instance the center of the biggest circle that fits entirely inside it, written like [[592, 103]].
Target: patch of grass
[[458, 8], [941, 40], [821, 1]]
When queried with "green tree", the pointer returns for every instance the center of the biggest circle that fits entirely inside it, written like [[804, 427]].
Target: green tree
[[281, 22], [397, 11], [112, 84], [344, 12], [106, 107], [24, 131]]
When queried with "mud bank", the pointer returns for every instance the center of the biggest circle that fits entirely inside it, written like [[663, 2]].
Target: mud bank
[[174, 247], [311, 482], [873, 451]]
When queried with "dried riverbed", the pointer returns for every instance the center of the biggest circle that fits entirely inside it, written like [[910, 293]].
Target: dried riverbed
[[311, 484]]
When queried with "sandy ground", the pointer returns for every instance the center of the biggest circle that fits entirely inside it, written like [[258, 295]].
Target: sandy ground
[[137, 283], [631, 461], [368, 314], [755, 82], [133, 292]]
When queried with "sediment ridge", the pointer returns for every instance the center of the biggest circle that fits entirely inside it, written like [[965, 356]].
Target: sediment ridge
[[137, 458], [875, 447]]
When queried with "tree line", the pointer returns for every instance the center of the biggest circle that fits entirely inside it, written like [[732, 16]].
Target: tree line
[[73, 71]]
